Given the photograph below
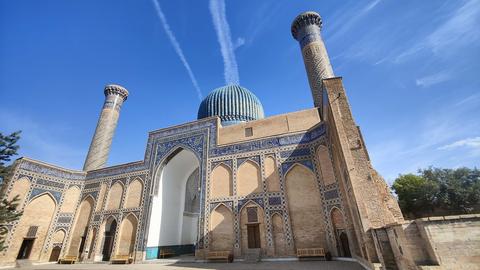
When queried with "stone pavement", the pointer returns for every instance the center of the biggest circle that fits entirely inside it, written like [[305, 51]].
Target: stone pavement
[[304, 265]]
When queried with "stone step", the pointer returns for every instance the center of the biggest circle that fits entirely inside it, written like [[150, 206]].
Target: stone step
[[253, 255]]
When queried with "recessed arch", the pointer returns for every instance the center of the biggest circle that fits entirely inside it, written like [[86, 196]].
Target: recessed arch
[[134, 193], [108, 233], [326, 166], [272, 177], [127, 235], [278, 234], [79, 232], [58, 236], [249, 178], [252, 226], [115, 196], [45, 192], [38, 212], [338, 218], [171, 222], [305, 207], [221, 181], [221, 228]]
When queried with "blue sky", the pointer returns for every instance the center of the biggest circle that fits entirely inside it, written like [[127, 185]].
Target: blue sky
[[410, 68]]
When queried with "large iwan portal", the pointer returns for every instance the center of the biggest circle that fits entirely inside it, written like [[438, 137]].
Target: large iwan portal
[[175, 205]]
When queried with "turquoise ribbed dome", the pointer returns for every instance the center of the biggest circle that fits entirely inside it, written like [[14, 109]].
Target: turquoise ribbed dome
[[233, 104]]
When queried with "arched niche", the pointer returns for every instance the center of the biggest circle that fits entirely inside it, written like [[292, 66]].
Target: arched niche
[[271, 174], [108, 233], [128, 232], [58, 237], [70, 199], [170, 224], [221, 229], [252, 227], [340, 232], [20, 188], [79, 232], [115, 196], [221, 182], [305, 208], [249, 179], [326, 166], [39, 213], [278, 232], [134, 194]]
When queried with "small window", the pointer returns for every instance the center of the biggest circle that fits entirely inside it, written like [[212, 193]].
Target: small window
[[32, 232], [252, 216], [249, 132]]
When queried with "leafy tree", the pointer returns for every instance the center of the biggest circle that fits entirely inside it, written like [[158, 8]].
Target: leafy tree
[[416, 195], [8, 213], [436, 191], [8, 148]]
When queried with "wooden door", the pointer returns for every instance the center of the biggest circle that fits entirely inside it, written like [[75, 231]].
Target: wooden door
[[55, 254], [253, 231]]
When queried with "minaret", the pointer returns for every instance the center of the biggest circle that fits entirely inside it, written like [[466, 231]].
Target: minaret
[[306, 30], [97, 156]]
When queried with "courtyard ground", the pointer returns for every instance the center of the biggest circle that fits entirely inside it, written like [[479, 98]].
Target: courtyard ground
[[294, 265]]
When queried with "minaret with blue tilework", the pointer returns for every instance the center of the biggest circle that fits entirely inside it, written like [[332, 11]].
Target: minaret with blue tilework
[[99, 150], [306, 30]]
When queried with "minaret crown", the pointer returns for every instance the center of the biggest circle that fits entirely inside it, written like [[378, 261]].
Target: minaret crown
[[305, 19], [115, 89]]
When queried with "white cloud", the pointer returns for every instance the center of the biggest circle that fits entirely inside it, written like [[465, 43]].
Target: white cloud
[[458, 31], [461, 29], [227, 48], [473, 143], [176, 47], [433, 79], [348, 20]]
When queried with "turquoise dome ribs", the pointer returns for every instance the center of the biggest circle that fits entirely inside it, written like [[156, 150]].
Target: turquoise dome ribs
[[233, 104]]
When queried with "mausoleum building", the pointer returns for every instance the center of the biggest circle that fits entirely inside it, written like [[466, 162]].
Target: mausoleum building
[[232, 180]]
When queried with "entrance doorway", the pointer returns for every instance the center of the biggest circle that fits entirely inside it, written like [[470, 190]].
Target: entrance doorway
[[55, 254], [344, 244], [109, 240], [25, 248], [253, 231]]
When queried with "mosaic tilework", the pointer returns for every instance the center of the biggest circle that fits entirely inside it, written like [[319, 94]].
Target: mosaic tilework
[[51, 171], [37, 191], [275, 200], [50, 183]]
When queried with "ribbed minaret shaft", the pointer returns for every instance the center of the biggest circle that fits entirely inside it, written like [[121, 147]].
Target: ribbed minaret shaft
[[306, 30], [99, 150]]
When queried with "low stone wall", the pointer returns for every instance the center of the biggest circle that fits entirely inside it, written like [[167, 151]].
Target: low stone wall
[[453, 240], [445, 242]]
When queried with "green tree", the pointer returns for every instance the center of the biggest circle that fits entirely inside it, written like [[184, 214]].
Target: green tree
[[459, 189], [8, 208], [416, 195], [8, 148], [8, 214], [436, 191]]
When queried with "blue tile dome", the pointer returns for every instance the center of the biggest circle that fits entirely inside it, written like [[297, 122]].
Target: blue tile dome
[[233, 104]]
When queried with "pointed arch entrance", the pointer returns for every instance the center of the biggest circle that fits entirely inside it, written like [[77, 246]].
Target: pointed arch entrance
[[175, 205], [109, 238]]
